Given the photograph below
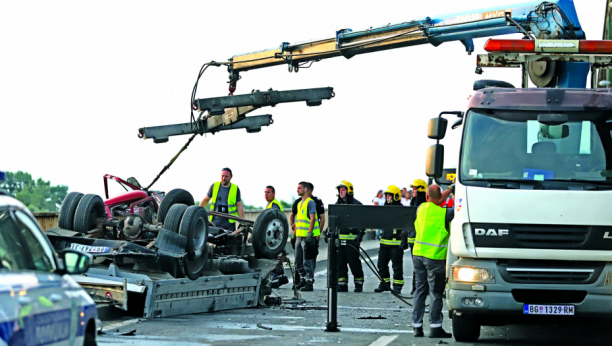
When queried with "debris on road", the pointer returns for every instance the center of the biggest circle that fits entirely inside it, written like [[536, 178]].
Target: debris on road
[[379, 317], [263, 327]]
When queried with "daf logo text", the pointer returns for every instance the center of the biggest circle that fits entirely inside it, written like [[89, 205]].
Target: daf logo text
[[491, 232]]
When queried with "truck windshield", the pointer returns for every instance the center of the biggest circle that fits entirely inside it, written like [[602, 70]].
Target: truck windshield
[[512, 146]]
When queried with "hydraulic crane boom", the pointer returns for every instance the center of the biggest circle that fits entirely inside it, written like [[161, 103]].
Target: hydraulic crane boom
[[545, 20]]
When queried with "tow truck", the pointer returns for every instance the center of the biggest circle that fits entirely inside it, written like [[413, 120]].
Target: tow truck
[[514, 250]]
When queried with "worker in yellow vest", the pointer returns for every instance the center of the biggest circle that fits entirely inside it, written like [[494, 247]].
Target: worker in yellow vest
[[307, 233], [224, 197], [270, 194], [432, 226]]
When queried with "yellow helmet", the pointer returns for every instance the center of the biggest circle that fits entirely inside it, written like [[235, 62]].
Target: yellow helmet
[[347, 185], [420, 184], [395, 192]]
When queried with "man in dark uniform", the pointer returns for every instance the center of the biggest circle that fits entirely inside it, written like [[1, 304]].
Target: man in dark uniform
[[348, 255], [391, 249]]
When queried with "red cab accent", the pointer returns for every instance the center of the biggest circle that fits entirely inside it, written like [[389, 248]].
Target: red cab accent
[[128, 197]]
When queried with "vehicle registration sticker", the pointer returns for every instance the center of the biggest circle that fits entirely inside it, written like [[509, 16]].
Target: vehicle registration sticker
[[536, 309], [87, 248]]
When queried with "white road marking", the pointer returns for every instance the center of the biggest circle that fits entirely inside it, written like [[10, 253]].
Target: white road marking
[[384, 340], [117, 325]]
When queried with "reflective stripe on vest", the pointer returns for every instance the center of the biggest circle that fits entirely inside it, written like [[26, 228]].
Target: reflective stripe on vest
[[232, 209], [274, 202], [431, 234], [302, 222]]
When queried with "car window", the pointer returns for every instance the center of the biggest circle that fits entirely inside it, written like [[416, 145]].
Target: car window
[[20, 244]]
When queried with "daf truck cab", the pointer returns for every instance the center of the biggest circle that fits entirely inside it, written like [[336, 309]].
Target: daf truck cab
[[531, 233]]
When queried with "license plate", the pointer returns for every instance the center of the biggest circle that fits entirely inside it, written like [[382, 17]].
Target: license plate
[[536, 309], [87, 248]]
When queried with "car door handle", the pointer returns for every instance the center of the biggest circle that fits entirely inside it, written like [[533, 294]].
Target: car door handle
[[55, 298], [25, 300]]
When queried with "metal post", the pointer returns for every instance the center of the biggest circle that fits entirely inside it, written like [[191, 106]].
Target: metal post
[[332, 276], [525, 79]]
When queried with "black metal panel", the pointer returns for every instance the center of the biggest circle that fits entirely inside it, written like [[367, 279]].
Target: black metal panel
[[217, 105], [371, 216]]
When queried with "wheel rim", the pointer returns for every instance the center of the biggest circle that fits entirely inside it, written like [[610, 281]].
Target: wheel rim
[[196, 265], [275, 233], [199, 234]]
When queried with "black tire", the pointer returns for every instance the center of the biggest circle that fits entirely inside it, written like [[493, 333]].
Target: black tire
[[234, 266], [270, 233], [173, 197], [194, 269], [174, 216], [194, 226], [68, 209], [89, 209], [90, 334], [466, 327]]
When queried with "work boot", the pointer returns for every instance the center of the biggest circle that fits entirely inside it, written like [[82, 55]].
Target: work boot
[[358, 287], [439, 333], [283, 280], [382, 288], [418, 332], [307, 288], [301, 284], [274, 284], [342, 288]]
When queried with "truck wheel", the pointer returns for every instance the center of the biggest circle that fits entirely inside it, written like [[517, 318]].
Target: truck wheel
[[174, 216], [194, 269], [234, 266], [89, 209], [270, 233], [465, 327], [171, 198], [68, 209], [194, 226]]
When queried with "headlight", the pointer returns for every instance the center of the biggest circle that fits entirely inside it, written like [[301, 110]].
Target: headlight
[[472, 274]]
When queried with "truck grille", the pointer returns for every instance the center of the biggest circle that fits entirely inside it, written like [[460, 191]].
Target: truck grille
[[550, 275], [551, 236], [548, 296], [549, 272]]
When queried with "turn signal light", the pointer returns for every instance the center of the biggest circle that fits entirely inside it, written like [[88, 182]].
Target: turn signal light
[[509, 45], [551, 46]]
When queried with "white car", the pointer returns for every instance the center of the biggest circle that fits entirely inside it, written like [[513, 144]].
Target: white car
[[40, 304]]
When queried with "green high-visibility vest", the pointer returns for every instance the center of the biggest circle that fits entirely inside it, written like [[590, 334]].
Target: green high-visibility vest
[[232, 209], [275, 202], [431, 234], [302, 223]]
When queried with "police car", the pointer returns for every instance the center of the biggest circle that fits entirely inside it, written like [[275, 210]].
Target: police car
[[39, 303]]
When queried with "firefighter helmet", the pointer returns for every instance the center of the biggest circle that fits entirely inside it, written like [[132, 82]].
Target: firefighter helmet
[[347, 185], [395, 192], [420, 184]]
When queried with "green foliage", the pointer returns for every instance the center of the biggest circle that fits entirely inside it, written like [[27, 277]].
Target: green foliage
[[287, 205], [38, 195]]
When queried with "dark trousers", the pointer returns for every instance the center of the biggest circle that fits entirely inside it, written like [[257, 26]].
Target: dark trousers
[[431, 277], [395, 254], [349, 257], [306, 259]]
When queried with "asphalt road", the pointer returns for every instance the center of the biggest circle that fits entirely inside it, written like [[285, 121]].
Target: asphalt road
[[367, 318]]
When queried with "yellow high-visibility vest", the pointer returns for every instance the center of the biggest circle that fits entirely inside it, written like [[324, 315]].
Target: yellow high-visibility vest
[[232, 209], [431, 234], [302, 223], [274, 202]]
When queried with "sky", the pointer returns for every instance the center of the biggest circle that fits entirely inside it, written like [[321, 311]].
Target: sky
[[79, 78]]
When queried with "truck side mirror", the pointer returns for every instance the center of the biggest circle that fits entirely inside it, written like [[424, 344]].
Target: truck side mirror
[[437, 128], [435, 160], [76, 262]]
